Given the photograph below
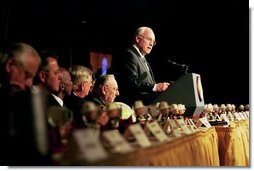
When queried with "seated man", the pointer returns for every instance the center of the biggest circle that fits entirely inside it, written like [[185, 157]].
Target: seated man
[[48, 78], [19, 63], [65, 84], [82, 81], [105, 90]]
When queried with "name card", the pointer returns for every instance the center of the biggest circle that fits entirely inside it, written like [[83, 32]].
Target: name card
[[238, 117], [166, 127], [117, 141], [183, 126], [224, 116], [89, 145], [205, 122], [199, 123], [174, 127], [230, 116], [191, 128], [192, 125], [137, 131], [242, 115], [156, 130], [247, 113], [217, 117]]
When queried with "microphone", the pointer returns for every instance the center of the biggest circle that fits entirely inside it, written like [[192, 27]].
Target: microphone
[[175, 63]]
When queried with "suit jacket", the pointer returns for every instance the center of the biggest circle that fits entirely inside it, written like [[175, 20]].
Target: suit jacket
[[51, 101], [134, 78], [75, 103], [18, 143]]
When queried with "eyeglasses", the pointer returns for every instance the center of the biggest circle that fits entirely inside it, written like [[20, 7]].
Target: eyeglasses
[[116, 89], [149, 39]]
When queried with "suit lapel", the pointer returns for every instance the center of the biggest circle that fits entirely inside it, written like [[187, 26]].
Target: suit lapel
[[143, 65]]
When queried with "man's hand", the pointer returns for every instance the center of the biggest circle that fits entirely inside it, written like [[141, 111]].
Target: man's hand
[[162, 86]]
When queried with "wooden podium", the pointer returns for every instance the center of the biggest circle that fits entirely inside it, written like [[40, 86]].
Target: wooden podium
[[186, 90]]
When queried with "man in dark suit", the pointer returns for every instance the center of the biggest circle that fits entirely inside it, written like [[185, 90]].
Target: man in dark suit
[[105, 90], [48, 78], [19, 145], [135, 76], [81, 78]]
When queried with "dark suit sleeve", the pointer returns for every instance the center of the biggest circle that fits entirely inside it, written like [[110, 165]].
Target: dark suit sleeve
[[132, 76]]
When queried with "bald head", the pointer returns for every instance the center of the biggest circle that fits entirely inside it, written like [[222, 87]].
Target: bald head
[[144, 39]]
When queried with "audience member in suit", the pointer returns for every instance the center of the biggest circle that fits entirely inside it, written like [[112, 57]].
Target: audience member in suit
[[65, 83], [82, 81], [19, 63], [60, 132], [48, 78], [105, 90], [134, 74]]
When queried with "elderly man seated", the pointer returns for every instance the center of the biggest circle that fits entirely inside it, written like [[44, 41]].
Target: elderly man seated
[[105, 90], [81, 78], [65, 86], [19, 63]]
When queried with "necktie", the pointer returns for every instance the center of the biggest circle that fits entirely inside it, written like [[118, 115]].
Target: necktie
[[144, 59], [149, 71]]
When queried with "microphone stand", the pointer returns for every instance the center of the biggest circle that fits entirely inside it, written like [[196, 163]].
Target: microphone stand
[[185, 67]]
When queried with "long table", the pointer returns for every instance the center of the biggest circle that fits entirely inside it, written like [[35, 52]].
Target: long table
[[197, 149], [234, 143]]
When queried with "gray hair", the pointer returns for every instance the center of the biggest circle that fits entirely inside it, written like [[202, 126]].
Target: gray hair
[[80, 74], [19, 52], [103, 80], [140, 31]]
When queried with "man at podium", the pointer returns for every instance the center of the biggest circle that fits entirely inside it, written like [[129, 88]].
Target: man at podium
[[135, 76]]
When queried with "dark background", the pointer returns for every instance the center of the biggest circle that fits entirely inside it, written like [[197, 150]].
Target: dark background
[[209, 36]]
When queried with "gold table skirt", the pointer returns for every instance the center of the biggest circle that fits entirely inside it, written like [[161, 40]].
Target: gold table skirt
[[234, 144], [198, 149]]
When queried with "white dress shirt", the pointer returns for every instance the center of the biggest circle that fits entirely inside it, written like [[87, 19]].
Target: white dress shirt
[[60, 101], [143, 57]]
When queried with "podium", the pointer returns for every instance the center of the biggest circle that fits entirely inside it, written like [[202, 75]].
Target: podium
[[186, 90]]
